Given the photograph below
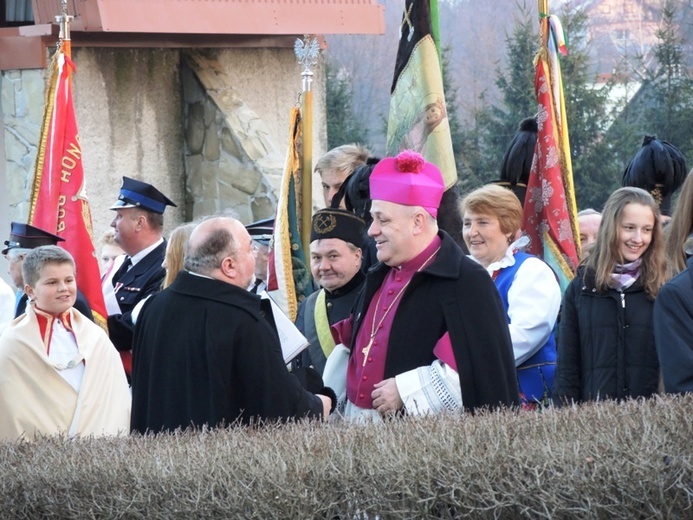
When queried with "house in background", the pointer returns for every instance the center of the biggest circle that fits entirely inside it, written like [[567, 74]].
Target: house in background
[[621, 34], [192, 96]]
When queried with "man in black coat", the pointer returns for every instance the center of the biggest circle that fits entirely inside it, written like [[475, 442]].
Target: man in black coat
[[138, 224], [203, 353], [24, 238], [430, 333]]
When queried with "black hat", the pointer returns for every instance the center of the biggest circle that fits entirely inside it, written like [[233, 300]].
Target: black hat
[[517, 161], [26, 236], [262, 230], [338, 223], [138, 194], [659, 168]]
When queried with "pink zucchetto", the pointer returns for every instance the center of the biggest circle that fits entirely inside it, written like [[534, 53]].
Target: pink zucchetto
[[409, 180]]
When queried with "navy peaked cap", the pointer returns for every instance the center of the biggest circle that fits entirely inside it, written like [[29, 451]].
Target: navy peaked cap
[[261, 230], [138, 194], [26, 236]]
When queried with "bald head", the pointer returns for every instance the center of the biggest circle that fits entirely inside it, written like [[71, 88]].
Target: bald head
[[221, 248]]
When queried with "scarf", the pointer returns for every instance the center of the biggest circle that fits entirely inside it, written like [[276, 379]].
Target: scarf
[[624, 275]]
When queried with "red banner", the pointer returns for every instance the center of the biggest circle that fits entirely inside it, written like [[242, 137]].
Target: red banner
[[59, 201], [548, 203]]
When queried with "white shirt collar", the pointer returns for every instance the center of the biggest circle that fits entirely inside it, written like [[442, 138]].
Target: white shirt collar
[[139, 256], [509, 258]]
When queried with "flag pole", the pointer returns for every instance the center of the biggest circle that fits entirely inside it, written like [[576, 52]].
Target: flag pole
[[63, 20], [544, 22], [307, 54]]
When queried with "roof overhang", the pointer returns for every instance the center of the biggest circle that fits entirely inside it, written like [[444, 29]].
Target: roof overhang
[[275, 17], [185, 24]]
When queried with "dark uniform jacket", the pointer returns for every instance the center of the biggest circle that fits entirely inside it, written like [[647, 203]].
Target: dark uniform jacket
[[606, 346], [140, 281], [204, 354], [340, 303], [81, 304], [673, 326], [452, 294]]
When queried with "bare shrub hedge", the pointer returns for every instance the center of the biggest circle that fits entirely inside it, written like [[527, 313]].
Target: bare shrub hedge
[[632, 460]]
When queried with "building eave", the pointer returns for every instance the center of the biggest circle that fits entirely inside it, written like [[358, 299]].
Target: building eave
[[185, 24], [275, 17]]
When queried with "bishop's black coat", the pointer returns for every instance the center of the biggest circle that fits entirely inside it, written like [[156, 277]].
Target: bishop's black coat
[[452, 294]]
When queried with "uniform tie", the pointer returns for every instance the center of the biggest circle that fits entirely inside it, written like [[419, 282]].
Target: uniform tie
[[127, 263], [255, 286]]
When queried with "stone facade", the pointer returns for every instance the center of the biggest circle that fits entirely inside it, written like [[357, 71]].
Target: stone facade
[[208, 128], [22, 108]]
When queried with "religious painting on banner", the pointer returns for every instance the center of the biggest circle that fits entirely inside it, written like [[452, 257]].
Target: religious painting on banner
[[418, 118], [59, 202]]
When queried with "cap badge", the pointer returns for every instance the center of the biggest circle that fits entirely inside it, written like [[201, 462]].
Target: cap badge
[[324, 224]]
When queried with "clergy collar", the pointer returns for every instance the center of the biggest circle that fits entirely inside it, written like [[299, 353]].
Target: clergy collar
[[352, 284], [412, 266]]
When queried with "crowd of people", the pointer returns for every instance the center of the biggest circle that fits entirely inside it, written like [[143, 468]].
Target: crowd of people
[[407, 319]]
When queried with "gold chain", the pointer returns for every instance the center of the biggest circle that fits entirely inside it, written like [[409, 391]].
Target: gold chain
[[376, 326]]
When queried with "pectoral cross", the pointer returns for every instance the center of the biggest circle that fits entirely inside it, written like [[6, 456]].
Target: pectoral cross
[[366, 350]]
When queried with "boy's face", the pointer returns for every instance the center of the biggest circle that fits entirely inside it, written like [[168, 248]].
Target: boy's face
[[56, 289]]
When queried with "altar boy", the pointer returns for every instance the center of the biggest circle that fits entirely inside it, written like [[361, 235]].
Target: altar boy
[[59, 373]]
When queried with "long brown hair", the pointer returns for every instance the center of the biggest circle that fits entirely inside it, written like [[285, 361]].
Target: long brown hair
[[175, 252], [606, 253], [679, 227]]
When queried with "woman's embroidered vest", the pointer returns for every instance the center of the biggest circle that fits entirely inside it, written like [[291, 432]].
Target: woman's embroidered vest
[[535, 375]]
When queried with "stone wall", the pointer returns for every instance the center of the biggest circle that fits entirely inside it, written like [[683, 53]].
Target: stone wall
[[128, 107], [22, 110], [132, 121], [237, 127]]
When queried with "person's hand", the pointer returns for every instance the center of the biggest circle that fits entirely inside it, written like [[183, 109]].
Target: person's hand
[[386, 399]]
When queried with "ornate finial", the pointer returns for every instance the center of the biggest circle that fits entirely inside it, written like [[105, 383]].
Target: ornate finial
[[64, 21], [307, 51]]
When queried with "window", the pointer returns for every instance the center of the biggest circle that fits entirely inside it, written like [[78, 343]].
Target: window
[[16, 12]]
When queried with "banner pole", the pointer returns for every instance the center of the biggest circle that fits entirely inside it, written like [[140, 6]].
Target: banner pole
[[307, 54]]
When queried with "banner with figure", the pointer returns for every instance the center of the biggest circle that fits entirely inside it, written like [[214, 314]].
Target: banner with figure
[[418, 118], [59, 202], [550, 212], [290, 280]]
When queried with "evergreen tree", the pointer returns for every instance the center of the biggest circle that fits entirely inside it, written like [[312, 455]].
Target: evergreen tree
[[494, 127], [668, 88], [342, 126], [456, 133]]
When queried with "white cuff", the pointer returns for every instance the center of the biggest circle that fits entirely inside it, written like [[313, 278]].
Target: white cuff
[[430, 389]]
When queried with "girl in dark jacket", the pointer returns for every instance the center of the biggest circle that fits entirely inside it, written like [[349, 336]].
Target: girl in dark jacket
[[606, 344]]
